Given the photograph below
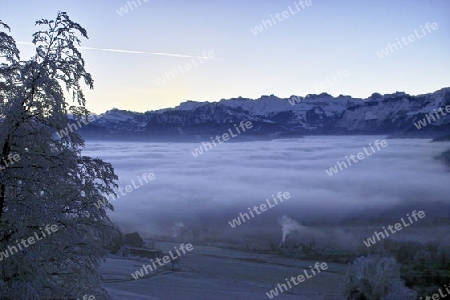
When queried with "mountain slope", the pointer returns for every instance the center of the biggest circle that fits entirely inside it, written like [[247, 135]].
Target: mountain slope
[[273, 117]]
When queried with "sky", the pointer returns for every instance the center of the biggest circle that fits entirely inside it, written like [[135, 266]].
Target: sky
[[313, 47]]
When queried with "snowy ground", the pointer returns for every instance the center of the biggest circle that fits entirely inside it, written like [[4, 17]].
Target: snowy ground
[[214, 273]]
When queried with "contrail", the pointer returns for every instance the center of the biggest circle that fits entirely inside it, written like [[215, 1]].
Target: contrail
[[131, 52]]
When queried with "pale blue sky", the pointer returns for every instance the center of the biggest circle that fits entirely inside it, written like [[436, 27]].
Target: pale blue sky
[[285, 59]]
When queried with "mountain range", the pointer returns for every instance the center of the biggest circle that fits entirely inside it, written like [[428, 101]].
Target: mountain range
[[396, 115]]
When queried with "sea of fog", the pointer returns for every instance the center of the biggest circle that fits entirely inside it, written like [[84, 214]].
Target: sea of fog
[[208, 191]]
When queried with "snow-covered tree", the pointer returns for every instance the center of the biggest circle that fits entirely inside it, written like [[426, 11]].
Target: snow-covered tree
[[375, 278], [52, 183]]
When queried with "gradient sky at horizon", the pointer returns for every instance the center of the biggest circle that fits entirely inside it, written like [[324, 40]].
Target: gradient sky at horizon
[[285, 59]]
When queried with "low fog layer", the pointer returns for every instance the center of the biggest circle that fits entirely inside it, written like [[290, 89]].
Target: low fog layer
[[210, 190]]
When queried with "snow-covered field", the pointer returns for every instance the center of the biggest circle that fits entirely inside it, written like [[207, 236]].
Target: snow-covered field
[[214, 273]]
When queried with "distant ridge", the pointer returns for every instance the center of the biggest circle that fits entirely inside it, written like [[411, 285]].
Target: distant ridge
[[391, 114]]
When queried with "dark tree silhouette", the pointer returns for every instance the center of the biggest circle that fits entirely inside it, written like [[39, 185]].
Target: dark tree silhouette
[[52, 183]]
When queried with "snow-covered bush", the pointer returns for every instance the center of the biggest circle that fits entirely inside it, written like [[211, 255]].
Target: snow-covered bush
[[375, 278]]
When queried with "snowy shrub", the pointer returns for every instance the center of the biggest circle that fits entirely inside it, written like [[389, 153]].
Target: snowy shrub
[[375, 278]]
